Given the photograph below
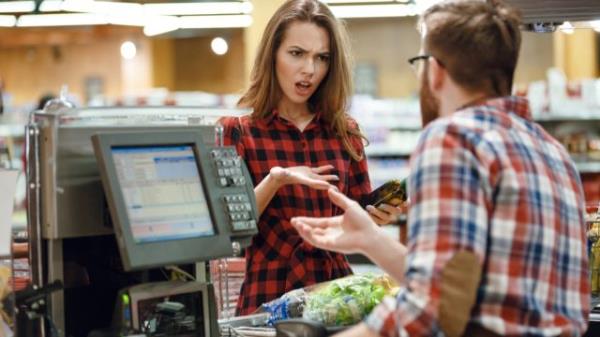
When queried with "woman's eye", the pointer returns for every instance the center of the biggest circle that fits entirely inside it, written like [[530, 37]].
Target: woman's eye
[[295, 53], [324, 58]]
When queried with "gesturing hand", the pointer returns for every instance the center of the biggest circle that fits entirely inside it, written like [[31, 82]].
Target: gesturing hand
[[314, 177], [351, 232]]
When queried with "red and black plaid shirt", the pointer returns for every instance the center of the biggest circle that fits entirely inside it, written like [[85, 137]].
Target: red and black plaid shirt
[[278, 260]]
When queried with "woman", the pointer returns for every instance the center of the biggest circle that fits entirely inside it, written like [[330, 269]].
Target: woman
[[296, 143]]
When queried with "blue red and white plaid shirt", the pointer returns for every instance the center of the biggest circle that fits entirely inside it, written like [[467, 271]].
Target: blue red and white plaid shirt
[[278, 260], [490, 181]]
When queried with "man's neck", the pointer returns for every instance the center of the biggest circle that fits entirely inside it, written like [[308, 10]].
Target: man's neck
[[457, 98]]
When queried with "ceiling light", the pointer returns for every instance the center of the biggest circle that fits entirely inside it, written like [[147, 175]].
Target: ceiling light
[[128, 50], [567, 28], [102, 7], [596, 25], [51, 6], [374, 11], [358, 1], [161, 25], [219, 46], [199, 8], [17, 6], [7, 20], [45, 20], [215, 21], [126, 20]]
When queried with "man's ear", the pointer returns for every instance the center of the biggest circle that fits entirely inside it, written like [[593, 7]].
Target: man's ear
[[437, 75]]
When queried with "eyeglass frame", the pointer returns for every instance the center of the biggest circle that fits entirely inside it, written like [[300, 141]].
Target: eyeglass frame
[[413, 60]]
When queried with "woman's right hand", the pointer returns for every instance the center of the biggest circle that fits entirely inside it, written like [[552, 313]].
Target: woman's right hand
[[314, 177]]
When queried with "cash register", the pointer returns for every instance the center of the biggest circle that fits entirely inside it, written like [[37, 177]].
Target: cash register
[[173, 200]]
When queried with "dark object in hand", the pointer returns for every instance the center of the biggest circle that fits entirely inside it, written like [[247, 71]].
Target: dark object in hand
[[392, 193]]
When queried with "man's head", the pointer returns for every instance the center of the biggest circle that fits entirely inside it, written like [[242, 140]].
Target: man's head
[[475, 43]]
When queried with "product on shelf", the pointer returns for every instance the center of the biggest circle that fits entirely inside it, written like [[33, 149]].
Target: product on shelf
[[593, 235]]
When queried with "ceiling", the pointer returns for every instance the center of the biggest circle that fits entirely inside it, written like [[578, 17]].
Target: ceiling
[[558, 11]]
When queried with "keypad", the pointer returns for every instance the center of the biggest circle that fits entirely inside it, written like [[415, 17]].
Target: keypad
[[239, 211], [229, 167]]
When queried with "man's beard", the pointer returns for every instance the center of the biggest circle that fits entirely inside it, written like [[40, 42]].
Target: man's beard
[[430, 106]]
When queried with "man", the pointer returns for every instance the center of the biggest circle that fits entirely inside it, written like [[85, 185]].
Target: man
[[496, 226]]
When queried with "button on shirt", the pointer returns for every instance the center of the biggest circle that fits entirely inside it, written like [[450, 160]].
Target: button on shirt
[[278, 260], [490, 181]]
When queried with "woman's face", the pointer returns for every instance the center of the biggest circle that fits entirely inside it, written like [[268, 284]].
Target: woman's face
[[302, 61]]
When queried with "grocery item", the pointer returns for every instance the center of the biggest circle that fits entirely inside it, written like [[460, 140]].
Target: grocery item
[[347, 300], [289, 305], [340, 302]]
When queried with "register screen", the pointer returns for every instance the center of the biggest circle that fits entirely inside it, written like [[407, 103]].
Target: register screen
[[163, 192]]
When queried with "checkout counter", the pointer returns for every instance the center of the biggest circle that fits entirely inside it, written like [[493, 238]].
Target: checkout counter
[[114, 196]]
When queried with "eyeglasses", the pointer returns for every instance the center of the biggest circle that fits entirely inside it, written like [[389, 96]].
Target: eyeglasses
[[414, 61]]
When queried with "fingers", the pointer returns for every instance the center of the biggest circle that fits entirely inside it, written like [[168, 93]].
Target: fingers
[[321, 169], [314, 180], [318, 184], [330, 177], [317, 222], [340, 199], [380, 217], [391, 209], [315, 236]]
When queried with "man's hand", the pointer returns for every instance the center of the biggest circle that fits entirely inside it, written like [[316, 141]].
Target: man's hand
[[314, 177], [352, 232]]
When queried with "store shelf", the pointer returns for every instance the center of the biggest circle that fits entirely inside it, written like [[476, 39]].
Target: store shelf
[[400, 123], [588, 167], [381, 174], [593, 116], [12, 130], [380, 150]]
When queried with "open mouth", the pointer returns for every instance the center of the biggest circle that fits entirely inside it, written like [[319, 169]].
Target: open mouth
[[303, 85]]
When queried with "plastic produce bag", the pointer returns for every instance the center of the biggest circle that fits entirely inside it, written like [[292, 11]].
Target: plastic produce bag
[[340, 302]]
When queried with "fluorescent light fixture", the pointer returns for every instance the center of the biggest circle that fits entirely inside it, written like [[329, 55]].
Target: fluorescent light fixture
[[51, 6], [199, 8], [215, 21], [596, 25], [422, 5], [374, 11], [16, 6], [359, 1], [161, 25], [102, 7], [567, 28], [46, 20], [7, 20], [126, 20]]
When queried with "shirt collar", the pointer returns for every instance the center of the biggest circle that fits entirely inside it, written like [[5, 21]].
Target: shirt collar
[[513, 104], [274, 116]]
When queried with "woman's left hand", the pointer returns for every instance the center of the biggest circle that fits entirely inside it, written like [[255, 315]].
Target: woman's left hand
[[385, 214]]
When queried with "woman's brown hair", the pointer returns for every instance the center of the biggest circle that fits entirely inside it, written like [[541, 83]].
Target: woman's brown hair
[[331, 97]]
